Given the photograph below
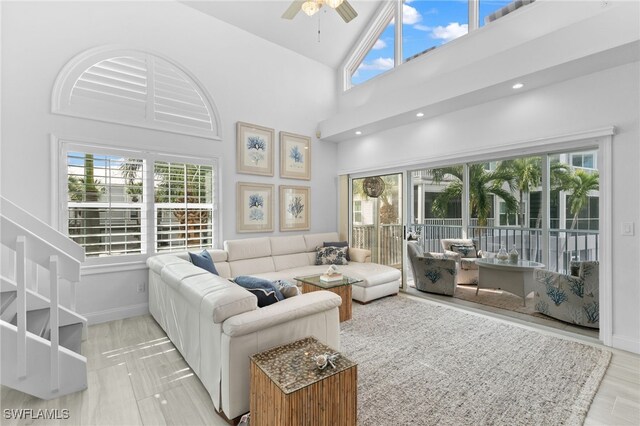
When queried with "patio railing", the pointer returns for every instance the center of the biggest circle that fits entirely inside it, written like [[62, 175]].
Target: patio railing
[[565, 245]]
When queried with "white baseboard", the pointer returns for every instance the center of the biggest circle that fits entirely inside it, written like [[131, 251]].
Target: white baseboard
[[117, 313], [626, 344]]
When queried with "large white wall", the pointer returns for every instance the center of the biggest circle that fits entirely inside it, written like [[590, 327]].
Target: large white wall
[[606, 98], [248, 78]]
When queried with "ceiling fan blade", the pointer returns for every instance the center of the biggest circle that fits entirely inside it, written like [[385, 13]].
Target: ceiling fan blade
[[346, 11], [293, 9]]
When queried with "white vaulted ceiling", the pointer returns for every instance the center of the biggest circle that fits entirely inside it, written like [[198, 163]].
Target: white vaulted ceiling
[[263, 18]]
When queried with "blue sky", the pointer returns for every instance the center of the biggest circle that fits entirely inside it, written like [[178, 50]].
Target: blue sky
[[426, 24]]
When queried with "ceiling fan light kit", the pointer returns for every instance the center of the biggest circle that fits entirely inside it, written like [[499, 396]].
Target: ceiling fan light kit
[[311, 7], [333, 3]]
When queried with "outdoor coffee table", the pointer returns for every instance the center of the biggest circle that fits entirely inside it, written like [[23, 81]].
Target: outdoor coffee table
[[516, 278], [342, 288]]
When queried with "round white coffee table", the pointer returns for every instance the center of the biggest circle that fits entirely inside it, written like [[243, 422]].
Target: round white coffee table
[[516, 278]]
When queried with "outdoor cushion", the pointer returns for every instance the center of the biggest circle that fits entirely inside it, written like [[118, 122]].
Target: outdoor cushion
[[465, 250]]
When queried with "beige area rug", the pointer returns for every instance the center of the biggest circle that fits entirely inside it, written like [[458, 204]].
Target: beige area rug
[[420, 363], [497, 299]]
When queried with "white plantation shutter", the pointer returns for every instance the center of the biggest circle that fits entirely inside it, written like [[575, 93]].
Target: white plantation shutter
[[175, 100], [113, 87], [135, 88]]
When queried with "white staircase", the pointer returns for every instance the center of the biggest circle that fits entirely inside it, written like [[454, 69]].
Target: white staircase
[[40, 338]]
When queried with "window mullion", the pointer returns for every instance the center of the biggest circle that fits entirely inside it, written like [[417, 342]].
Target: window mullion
[[474, 15], [398, 33]]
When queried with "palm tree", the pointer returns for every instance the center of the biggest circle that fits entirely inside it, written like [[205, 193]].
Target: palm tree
[[526, 174], [87, 189], [579, 183], [483, 184]]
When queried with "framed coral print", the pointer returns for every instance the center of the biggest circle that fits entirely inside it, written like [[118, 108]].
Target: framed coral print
[[254, 207], [254, 149], [294, 208], [295, 156]]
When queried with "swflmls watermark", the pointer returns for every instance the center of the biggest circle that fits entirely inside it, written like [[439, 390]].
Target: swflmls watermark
[[31, 414]]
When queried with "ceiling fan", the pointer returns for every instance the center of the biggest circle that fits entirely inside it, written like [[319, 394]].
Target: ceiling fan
[[310, 7]]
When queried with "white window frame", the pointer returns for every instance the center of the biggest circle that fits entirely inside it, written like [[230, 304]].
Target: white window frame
[[148, 236], [388, 11]]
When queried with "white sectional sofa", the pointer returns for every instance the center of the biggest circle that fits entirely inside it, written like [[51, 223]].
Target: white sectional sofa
[[216, 325], [293, 256]]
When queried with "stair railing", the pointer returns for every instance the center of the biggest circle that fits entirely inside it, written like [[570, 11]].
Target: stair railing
[[35, 241]]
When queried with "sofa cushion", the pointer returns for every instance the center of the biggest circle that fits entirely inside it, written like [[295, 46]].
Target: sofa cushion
[[372, 274], [282, 312], [289, 261], [174, 274], [156, 263], [287, 245], [224, 298], [249, 282], [331, 256], [203, 260], [252, 266], [338, 244], [250, 248], [313, 241]]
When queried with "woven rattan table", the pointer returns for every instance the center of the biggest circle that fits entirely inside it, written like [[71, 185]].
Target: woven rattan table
[[288, 389], [341, 287]]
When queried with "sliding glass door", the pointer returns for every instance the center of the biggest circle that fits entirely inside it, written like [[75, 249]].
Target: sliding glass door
[[376, 217]]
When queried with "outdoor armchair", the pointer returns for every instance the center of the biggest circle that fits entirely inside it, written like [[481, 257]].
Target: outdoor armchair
[[432, 272], [569, 298], [466, 263]]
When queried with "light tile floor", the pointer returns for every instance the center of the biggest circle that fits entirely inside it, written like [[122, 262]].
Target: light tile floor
[[136, 376]]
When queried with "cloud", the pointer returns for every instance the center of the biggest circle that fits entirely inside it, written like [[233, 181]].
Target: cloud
[[450, 32], [380, 44], [410, 15], [420, 27], [379, 64]]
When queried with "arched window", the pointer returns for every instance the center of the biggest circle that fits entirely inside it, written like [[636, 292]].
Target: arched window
[[136, 88]]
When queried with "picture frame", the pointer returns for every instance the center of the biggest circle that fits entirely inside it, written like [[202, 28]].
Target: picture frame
[[254, 149], [295, 156], [254, 207], [295, 208]]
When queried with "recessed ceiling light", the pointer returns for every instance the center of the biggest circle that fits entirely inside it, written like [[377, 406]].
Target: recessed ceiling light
[[358, 132], [518, 86], [420, 114]]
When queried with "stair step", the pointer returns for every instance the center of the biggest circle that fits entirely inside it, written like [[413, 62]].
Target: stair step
[[37, 321], [70, 336], [8, 307]]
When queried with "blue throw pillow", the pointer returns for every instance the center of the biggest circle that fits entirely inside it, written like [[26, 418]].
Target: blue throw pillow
[[204, 261], [265, 296], [254, 283]]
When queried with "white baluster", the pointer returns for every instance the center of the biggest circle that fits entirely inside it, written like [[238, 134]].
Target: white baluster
[[54, 323], [35, 283], [72, 296], [21, 301]]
